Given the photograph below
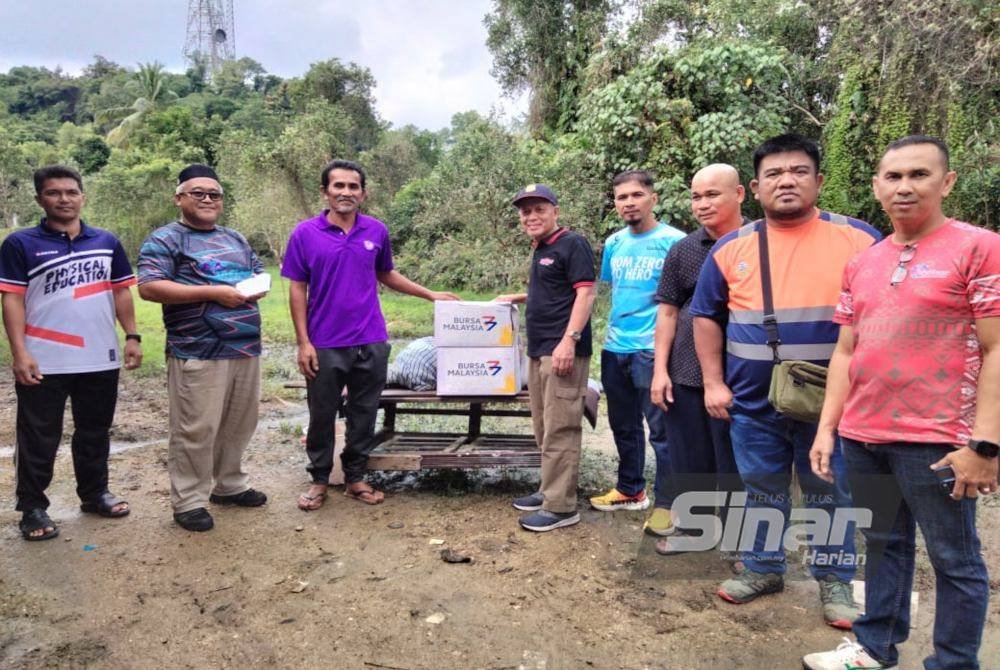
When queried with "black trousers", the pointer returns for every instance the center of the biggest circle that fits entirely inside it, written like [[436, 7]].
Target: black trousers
[[40, 411], [701, 453], [362, 371]]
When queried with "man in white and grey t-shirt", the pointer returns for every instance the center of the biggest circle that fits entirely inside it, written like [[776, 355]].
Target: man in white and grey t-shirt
[[63, 283]]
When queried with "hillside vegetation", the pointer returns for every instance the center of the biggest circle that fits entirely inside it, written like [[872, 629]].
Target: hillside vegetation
[[668, 85]]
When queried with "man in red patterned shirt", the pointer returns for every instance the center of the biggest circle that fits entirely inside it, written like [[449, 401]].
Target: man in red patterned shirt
[[914, 388]]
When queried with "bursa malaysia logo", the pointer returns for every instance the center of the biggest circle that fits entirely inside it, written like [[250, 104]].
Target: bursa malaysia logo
[[487, 322], [476, 369]]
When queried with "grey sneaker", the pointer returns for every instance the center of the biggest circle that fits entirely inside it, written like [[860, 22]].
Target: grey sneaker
[[747, 585], [839, 608], [530, 503], [544, 520]]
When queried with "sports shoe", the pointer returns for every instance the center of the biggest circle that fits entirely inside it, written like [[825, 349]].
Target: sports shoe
[[747, 585], [839, 609], [544, 520], [530, 503], [659, 523], [732, 558], [847, 656], [196, 520], [615, 500], [249, 498]]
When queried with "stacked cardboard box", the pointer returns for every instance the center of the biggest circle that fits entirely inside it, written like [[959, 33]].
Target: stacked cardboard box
[[478, 348]]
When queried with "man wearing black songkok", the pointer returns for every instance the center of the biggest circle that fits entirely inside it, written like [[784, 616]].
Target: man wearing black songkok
[[192, 266]]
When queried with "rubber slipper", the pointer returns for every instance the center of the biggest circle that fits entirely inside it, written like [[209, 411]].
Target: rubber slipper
[[311, 503], [665, 542], [104, 504], [367, 496], [37, 519]]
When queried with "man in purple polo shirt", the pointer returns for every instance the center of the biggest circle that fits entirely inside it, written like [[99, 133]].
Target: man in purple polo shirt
[[335, 262]]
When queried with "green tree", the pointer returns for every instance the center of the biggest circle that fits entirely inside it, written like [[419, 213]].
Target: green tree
[[150, 84], [178, 133], [80, 145], [91, 154], [542, 46], [275, 182], [31, 91], [16, 188], [931, 68], [132, 195], [457, 227], [680, 109], [349, 87], [400, 156], [237, 78]]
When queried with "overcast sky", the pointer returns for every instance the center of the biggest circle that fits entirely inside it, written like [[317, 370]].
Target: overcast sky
[[428, 56]]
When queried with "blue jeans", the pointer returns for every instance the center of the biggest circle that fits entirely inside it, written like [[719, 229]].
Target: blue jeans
[[766, 449], [626, 379], [895, 481]]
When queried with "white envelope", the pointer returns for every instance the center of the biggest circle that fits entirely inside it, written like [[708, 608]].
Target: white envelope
[[254, 285]]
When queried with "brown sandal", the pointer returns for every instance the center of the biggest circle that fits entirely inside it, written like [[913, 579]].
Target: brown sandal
[[311, 503], [369, 496]]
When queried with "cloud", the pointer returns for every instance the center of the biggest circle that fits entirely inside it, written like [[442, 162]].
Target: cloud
[[429, 58], [286, 37], [465, 59], [62, 32]]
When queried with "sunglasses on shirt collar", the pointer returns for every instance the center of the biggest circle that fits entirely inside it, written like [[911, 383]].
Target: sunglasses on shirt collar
[[905, 256]]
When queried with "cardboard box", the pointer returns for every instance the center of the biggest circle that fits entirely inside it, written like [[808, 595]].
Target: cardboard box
[[479, 371], [475, 324]]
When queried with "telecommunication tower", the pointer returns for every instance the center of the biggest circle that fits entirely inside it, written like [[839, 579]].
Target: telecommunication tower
[[211, 33]]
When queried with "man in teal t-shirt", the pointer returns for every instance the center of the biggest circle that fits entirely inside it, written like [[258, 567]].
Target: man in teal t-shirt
[[632, 260]]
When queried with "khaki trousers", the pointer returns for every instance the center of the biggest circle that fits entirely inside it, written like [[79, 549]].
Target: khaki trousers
[[213, 415], [556, 413]]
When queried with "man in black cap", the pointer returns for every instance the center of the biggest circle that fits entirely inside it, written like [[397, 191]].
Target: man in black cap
[[559, 298], [192, 266]]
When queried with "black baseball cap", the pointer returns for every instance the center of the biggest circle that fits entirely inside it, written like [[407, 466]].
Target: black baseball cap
[[535, 191]]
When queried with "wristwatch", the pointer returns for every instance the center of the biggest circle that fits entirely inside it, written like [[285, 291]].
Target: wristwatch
[[984, 448], [133, 336], [575, 335]]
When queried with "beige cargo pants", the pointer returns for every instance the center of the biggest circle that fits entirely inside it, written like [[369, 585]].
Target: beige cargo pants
[[213, 415], [556, 415]]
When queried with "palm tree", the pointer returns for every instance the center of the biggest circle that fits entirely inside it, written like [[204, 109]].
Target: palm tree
[[150, 83]]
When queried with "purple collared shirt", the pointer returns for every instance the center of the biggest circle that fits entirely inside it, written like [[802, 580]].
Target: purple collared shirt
[[343, 309]]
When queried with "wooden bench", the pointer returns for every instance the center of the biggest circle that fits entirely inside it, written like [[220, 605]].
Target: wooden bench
[[408, 450]]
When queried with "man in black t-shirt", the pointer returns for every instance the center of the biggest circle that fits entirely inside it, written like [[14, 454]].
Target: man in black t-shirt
[[559, 299]]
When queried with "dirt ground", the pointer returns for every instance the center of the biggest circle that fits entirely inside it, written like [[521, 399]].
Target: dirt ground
[[354, 586]]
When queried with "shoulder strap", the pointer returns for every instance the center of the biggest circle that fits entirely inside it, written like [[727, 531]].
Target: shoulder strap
[[770, 321]]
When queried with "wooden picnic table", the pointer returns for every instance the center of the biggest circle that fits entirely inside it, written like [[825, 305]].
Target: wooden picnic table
[[409, 450]]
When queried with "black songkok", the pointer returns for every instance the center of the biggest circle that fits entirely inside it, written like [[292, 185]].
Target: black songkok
[[196, 170]]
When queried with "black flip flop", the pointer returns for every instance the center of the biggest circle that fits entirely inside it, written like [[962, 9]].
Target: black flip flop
[[37, 519], [104, 505]]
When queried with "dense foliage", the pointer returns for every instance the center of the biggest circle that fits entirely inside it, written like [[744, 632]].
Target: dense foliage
[[668, 85]]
